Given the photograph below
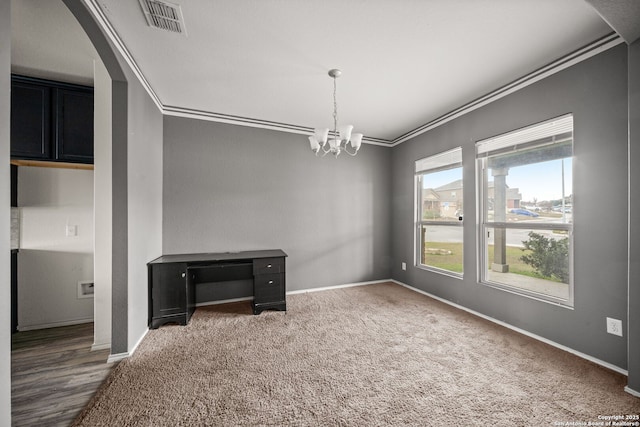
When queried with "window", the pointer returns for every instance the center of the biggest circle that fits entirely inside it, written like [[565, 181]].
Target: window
[[526, 209], [439, 212]]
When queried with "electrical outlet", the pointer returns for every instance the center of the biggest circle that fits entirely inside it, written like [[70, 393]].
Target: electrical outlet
[[71, 230], [404, 265], [614, 326]]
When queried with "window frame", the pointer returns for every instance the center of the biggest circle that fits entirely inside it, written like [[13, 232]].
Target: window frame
[[484, 224], [419, 173]]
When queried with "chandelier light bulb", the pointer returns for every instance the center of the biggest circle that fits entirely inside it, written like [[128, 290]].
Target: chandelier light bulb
[[345, 132], [356, 141], [315, 147]]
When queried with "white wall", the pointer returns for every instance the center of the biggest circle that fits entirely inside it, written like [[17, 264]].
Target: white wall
[[50, 262], [102, 205]]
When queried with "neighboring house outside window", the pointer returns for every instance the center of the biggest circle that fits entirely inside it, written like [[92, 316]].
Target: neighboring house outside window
[[439, 212], [526, 211]]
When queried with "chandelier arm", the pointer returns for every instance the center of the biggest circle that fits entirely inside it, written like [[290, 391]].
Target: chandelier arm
[[321, 152], [347, 151]]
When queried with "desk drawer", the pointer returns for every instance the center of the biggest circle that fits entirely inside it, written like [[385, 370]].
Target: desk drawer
[[269, 288], [268, 266]]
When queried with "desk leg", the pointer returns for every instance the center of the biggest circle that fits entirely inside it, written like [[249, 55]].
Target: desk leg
[[259, 308]]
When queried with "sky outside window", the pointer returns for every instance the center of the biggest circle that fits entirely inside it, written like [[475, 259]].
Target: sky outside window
[[542, 181]]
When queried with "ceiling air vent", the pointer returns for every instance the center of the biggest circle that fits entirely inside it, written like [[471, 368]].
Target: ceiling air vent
[[164, 15]]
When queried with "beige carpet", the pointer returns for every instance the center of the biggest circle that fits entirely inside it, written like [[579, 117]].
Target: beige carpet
[[364, 356]]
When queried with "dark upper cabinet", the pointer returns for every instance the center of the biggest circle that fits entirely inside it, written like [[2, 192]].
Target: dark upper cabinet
[[74, 125], [51, 121], [30, 120]]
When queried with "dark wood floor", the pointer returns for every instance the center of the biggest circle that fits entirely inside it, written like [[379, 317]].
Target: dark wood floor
[[54, 373]]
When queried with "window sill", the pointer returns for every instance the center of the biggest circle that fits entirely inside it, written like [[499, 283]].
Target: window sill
[[440, 271], [564, 303]]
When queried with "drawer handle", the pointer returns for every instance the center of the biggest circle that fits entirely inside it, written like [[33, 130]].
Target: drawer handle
[[268, 265], [271, 282]]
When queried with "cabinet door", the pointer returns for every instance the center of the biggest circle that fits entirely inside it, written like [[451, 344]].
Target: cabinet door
[[169, 289], [30, 120], [74, 125]]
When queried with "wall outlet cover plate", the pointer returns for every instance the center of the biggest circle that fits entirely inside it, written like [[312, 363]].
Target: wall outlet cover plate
[[614, 326]]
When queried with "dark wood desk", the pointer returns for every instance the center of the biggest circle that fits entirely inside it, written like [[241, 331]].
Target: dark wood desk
[[172, 280]]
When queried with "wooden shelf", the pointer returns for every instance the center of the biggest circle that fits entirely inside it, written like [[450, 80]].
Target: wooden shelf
[[45, 164]]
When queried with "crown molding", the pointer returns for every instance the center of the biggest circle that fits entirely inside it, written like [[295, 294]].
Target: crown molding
[[567, 61], [231, 119], [169, 110], [600, 45], [251, 122], [114, 38], [117, 42]]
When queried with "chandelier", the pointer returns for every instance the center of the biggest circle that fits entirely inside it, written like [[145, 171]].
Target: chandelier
[[341, 136]]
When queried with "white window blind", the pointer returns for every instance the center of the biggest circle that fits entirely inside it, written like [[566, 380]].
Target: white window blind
[[552, 131], [446, 160]]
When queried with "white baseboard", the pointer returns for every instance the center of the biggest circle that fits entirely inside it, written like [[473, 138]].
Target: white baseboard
[[632, 391], [135, 346], [54, 324], [120, 356], [117, 357], [521, 331], [347, 285], [103, 346], [301, 291]]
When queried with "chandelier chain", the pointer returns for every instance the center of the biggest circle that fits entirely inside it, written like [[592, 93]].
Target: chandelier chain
[[335, 110], [339, 139]]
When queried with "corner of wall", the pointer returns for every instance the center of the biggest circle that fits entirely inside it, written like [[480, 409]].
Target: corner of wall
[[633, 329]]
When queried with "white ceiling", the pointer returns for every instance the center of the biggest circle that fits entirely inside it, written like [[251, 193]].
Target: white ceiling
[[47, 42], [404, 62]]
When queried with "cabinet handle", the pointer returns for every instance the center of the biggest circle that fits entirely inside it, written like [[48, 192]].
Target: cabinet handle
[[268, 265], [184, 275], [271, 282]]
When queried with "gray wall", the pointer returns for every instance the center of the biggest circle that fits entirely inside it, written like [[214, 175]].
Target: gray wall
[[232, 188], [5, 192], [229, 188], [136, 206], [634, 217], [119, 220], [144, 204], [595, 91]]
